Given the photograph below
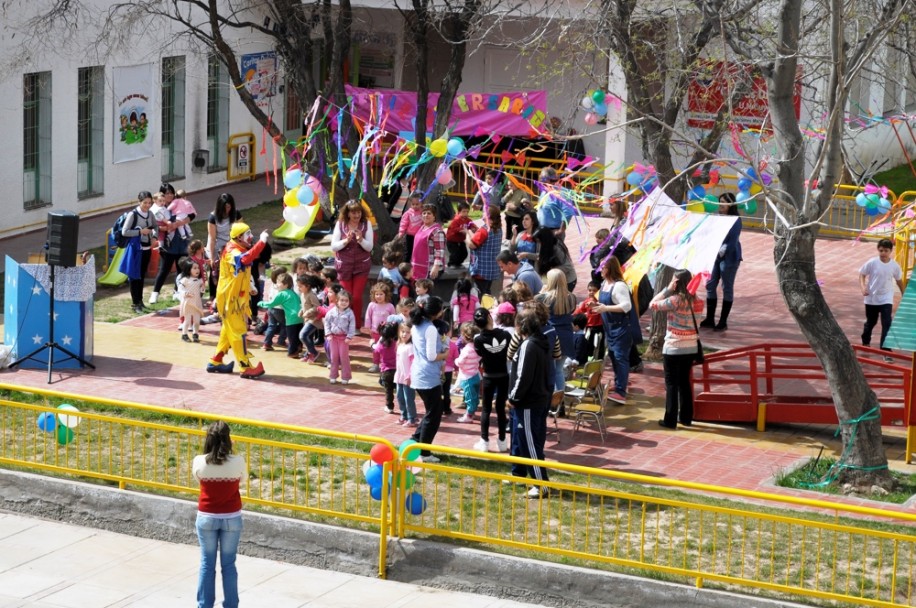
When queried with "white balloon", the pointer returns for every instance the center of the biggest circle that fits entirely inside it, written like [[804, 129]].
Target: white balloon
[[588, 103], [68, 421], [297, 215]]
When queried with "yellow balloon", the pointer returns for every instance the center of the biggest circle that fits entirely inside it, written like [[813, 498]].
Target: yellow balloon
[[756, 188], [696, 207], [290, 199], [438, 148]]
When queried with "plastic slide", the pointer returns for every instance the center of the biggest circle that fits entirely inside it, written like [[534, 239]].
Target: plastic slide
[[293, 232], [114, 277]]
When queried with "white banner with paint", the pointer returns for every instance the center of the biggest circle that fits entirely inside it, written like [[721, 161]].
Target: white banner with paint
[[663, 232], [134, 113]]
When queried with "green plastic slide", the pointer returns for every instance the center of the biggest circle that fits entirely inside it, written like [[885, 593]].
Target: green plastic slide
[[114, 277]]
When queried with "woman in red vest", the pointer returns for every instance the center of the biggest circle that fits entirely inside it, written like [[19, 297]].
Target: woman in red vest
[[352, 246]]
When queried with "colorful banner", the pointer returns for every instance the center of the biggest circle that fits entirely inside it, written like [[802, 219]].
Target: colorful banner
[[662, 232], [134, 113], [259, 71], [513, 113], [711, 87]]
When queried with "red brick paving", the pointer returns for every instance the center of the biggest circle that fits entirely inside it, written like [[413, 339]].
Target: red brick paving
[[162, 371]]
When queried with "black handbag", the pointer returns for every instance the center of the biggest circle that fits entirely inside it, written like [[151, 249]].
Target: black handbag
[[698, 358]]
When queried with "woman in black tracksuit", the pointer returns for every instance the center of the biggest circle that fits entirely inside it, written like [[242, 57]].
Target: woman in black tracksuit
[[492, 344], [531, 387]]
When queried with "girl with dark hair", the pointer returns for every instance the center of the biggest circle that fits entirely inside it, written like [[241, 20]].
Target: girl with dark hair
[[523, 244], [172, 245], [429, 352], [140, 227], [725, 268], [614, 304], [352, 243], [552, 253], [219, 514], [679, 349], [218, 225]]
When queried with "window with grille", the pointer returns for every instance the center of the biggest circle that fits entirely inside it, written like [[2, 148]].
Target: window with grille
[[36, 138], [217, 113], [173, 114], [90, 129]]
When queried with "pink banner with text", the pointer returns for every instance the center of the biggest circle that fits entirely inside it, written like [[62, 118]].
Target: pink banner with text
[[509, 113]]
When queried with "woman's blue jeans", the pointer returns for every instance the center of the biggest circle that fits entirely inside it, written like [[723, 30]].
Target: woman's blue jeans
[[215, 534]]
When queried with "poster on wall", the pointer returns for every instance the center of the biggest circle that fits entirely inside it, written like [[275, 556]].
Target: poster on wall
[[259, 71], [133, 111]]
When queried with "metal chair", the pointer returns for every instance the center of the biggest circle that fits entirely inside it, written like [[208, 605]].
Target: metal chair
[[592, 389], [556, 402], [593, 411], [584, 375]]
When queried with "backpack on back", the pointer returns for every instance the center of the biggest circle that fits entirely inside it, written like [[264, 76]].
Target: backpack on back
[[116, 231]]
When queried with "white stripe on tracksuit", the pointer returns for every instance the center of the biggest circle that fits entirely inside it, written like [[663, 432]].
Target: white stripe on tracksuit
[[529, 442]]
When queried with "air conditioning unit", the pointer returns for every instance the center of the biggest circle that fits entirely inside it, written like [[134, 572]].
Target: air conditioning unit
[[200, 160]]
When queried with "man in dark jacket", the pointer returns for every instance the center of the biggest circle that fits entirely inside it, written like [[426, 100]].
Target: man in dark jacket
[[530, 390]]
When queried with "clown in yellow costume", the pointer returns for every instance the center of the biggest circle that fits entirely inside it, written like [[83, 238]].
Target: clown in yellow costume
[[233, 294]]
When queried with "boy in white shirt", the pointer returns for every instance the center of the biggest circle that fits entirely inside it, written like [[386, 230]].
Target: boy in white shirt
[[876, 278]]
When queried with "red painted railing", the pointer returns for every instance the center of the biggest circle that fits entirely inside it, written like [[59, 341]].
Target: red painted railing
[[785, 383]]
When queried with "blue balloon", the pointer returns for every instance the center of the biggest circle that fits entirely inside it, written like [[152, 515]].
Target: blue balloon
[[634, 178], [374, 476], [455, 146], [600, 109], [745, 183], [292, 178], [697, 193], [47, 422], [305, 195], [415, 503], [649, 185], [752, 173], [375, 492], [861, 199], [884, 205], [742, 196]]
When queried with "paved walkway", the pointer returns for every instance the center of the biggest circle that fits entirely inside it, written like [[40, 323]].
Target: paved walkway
[[144, 360], [46, 564]]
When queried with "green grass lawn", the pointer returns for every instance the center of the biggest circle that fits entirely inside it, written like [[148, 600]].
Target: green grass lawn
[[899, 179]]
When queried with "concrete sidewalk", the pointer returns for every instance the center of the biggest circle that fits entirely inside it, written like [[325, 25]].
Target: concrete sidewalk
[[45, 564]]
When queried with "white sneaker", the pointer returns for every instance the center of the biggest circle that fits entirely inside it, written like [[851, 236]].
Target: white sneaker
[[374, 369], [466, 418], [482, 445], [345, 382], [333, 380], [154, 297], [536, 492], [430, 459], [501, 445]]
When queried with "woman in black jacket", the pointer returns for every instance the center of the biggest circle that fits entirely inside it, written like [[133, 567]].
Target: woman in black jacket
[[531, 387]]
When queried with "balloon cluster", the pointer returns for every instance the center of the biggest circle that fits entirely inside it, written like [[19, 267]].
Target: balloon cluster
[[595, 103], [698, 201], [748, 187], [642, 177], [874, 200], [373, 472], [301, 191], [61, 425], [449, 149]]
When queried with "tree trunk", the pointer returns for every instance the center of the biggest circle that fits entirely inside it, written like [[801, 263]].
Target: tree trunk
[[865, 461], [659, 319]]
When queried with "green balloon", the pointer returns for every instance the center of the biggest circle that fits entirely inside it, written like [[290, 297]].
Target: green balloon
[[751, 206], [403, 447], [598, 96], [64, 435], [394, 481]]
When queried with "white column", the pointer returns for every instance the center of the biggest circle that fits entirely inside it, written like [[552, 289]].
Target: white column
[[615, 139]]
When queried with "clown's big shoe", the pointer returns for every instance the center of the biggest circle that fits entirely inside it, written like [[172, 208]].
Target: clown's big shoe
[[253, 372]]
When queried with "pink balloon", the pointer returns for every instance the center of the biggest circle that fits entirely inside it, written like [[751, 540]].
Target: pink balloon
[[591, 118], [445, 177]]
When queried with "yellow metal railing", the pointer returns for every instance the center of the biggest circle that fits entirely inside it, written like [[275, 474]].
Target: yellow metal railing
[[616, 518], [653, 525], [297, 475]]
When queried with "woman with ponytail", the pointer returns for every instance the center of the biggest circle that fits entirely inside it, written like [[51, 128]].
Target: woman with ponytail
[[430, 350], [219, 515]]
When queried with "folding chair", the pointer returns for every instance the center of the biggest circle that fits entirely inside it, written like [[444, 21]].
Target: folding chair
[[556, 402], [582, 378], [593, 411], [591, 390]]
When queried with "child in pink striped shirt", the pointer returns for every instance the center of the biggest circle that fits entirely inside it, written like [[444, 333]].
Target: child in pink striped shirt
[[377, 313]]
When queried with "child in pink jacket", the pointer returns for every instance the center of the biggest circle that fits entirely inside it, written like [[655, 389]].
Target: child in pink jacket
[[468, 363]]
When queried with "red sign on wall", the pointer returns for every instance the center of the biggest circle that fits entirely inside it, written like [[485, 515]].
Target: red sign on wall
[[713, 86]]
